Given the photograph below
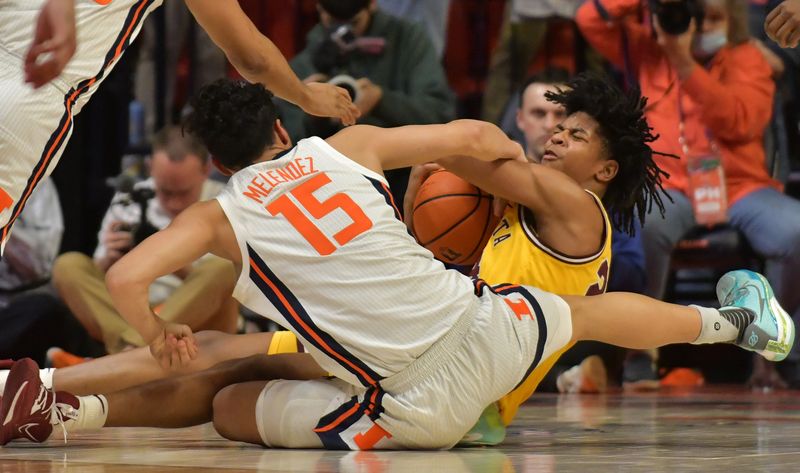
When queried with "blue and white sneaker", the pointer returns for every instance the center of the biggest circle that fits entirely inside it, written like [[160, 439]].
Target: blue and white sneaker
[[748, 302]]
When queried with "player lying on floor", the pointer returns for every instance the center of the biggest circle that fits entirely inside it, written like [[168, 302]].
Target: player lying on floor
[[613, 163], [418, 351]]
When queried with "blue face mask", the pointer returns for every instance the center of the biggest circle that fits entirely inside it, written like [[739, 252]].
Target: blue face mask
[[707, 44]]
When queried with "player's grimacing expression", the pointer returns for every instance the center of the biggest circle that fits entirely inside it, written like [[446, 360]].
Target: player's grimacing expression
[[578, 149]]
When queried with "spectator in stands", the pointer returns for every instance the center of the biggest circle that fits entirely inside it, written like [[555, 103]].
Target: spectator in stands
[[199, 295], [521, 38], [398, 76], [711, 98], [431, 14]]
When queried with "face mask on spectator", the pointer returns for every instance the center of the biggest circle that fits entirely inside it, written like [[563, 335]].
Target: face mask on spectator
[[709, 43]]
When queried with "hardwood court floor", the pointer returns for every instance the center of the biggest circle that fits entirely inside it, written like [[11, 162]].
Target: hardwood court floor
[[706, 430]]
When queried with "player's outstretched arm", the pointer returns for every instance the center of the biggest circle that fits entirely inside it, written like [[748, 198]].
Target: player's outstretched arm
[[54, 36], [259, 60], [390, 148]]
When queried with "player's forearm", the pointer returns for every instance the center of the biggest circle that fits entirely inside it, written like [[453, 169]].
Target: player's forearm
[[130, 298]]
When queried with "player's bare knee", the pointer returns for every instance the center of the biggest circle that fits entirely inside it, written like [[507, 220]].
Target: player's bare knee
[[224, 405], [577, 307]]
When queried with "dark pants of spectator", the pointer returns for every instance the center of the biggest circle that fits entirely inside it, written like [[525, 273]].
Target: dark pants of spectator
[[34, 322]]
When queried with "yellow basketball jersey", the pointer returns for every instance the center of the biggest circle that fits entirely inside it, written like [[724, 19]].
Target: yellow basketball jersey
[[515, 255]]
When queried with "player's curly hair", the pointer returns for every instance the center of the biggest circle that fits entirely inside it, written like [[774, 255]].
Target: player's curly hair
[[620, 116], [234, 119]]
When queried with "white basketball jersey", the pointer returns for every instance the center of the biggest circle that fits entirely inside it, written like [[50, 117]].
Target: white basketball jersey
[[326, 255], [35, 125]]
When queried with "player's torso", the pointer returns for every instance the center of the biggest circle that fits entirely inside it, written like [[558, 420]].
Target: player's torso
[[326, 255], [516, 255]]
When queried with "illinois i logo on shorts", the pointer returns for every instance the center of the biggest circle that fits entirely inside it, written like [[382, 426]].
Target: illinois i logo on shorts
[[5, 200]]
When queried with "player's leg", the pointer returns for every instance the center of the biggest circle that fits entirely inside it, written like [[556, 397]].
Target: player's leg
[[285, 413], [187, 400], [233, 410], [134, 367], [750, 317], [179, 401]]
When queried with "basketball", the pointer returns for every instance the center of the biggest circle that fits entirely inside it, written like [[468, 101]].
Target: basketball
[[452, 218]]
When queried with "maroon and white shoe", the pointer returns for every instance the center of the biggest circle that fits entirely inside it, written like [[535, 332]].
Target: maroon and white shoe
[[27, 405], [28, 409]]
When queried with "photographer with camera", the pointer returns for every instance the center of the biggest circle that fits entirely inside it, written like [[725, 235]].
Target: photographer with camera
[[198, 295], [389, 66], [710, 93]]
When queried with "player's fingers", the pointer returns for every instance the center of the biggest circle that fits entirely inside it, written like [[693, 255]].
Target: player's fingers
[[349, 112], [784, 32], [773, 26], [190, 342], [774, 14], [42, 73], [192, 348], [794, 39], [183, 353], [499, 206], [175, 357]]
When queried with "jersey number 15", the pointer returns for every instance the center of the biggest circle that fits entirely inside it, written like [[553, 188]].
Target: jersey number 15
[[304, 193]]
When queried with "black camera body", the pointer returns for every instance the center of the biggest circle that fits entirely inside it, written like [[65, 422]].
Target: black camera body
[[140, 196], [333, 53], [675, 17]]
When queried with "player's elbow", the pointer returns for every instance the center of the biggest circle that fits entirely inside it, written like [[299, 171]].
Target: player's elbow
[[120, 278], [472, 135], [250, 64], [487, 141]]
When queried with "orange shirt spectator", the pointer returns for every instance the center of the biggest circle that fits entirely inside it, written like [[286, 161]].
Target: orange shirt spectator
[[729, 100]]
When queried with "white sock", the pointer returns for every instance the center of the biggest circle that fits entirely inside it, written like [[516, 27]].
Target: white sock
[[91, 414], [714, 328], [46, 375]]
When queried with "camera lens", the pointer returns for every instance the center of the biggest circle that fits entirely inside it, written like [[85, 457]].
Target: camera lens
[[347, 83], [674, 17]]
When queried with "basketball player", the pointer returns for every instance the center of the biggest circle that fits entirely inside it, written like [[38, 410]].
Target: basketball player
[[564, 245], [553, 270], [37, 123], [417, 351]]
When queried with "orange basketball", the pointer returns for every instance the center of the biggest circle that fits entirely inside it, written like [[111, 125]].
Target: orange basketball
[[452, 218]]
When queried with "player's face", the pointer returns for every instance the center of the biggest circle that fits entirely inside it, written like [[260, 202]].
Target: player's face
[[576, 148], [537, 118], [178, 183]]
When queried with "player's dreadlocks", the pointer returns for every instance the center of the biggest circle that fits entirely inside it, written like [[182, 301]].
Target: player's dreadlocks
[[637, 185]]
